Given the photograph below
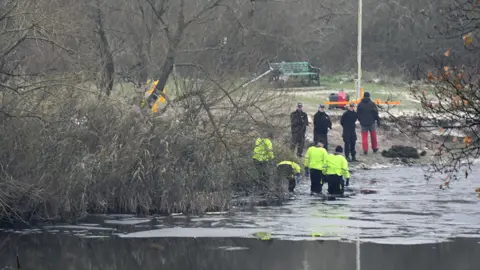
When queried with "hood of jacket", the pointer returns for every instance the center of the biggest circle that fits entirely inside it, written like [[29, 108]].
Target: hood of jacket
[[366, 100], [350, 112]]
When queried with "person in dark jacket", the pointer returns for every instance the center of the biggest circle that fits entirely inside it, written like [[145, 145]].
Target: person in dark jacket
[[321, 124], [367, 113], [299, 123], [348, 122]]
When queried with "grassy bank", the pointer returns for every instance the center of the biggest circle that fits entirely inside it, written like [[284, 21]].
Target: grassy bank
[[73, 154], [64, 153], [382, 88]]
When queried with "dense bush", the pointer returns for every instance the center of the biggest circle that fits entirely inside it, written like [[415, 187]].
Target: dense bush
[[81, 155]]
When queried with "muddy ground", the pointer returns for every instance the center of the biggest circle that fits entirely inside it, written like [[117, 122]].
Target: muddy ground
[[387, 134]]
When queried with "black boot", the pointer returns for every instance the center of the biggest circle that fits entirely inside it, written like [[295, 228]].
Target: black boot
[[348, 158], [354, 159]]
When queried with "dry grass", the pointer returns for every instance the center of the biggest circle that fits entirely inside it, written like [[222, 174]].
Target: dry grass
[[190, 159]]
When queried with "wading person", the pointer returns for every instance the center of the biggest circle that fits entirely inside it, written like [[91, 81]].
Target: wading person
[[367, 113], [290, 171], [262, 156], [336, 169], [321, 125], [299, 123], [349, 134], [315, 161], [307, 171]]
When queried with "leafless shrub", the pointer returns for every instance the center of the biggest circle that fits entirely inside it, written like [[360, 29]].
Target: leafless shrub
[[105, 156], [449, 118], [65, 153]]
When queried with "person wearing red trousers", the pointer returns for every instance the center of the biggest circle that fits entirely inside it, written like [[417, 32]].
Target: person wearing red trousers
[[367, 113]]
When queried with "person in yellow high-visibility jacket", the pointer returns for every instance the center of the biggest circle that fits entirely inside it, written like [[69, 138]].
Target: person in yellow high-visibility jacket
[[336, 168], [315, 160], [290, 171], [262, 155]]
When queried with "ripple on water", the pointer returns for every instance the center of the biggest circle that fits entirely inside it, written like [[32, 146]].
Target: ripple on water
[[127, 221], [195, 232], [406, 210]]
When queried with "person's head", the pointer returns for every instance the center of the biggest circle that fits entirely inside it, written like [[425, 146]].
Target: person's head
[[366, 95], [299, 106], [320, 144], [338, 149], [268, 134], [351, 106], [321, 108]]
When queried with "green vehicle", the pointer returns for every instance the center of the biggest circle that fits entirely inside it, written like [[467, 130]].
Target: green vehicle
[[303, 70]]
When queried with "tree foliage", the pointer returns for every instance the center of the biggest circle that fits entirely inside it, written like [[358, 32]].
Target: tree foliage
[[134, 39], [449, 119], [65, 152]]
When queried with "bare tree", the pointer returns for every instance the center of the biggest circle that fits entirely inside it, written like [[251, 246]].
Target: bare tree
[[11, 39], [449, 120], [107, 66], [174, 32]]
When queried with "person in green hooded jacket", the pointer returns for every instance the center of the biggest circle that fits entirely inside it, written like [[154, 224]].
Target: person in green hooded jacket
[[315, 160], [335, 170], [262, 156]]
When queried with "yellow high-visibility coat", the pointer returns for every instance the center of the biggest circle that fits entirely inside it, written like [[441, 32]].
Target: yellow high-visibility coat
[[295, 166], [263, 150], [316, 158], [337, 165]]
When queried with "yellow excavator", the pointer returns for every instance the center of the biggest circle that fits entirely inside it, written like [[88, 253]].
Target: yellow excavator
[[158, 99]]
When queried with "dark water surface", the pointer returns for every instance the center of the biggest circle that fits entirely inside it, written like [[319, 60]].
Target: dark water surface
[[409, 224], [69, 252]]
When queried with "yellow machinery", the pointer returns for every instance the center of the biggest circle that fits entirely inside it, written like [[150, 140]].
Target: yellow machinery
[[159, 100]]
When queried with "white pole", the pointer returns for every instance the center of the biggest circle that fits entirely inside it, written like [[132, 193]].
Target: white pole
[[257, 78], [358, 261], [359, 49]]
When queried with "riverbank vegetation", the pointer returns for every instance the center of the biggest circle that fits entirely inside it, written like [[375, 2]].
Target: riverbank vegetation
[[71, 146], [449, 95], [74, 139], [76, 156]]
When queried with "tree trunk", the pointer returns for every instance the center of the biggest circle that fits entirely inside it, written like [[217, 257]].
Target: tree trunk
[[144, 52], [107, 66], [167, 67]]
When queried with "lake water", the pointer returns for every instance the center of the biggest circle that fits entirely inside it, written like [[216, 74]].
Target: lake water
[[408, 224]]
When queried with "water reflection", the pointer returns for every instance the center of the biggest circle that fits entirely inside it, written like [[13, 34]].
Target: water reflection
[[401, 227], [47, 251], [406, 208]]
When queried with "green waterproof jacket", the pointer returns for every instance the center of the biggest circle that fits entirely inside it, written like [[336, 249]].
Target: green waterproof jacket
[[337, 165], [316, 158], [263, 150]]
